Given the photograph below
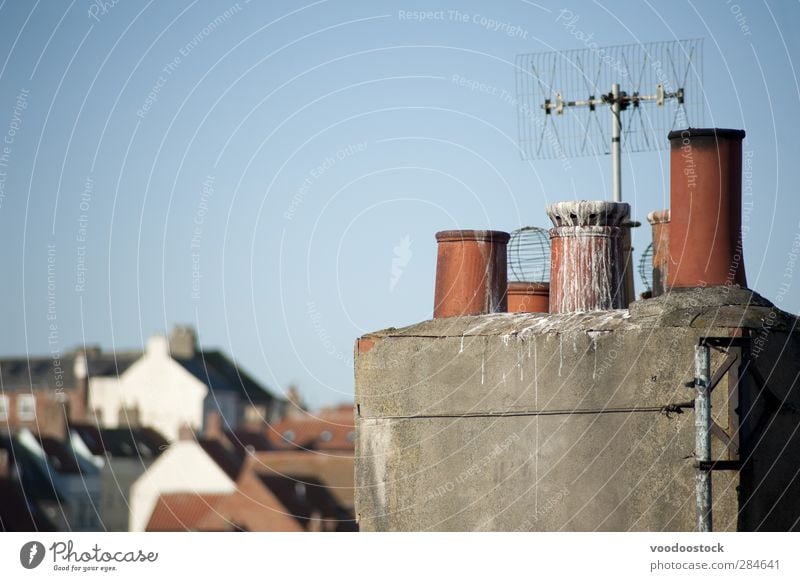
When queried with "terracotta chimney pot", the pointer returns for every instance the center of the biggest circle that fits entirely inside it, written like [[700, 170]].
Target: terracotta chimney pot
[[471, 273], [659, 220], [528, 297], [587, 262], [705, 239]]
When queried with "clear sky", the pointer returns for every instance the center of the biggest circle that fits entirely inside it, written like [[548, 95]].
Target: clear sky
[[254, 168]]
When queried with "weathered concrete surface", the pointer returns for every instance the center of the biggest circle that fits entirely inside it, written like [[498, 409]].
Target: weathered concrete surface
[[563, 422]]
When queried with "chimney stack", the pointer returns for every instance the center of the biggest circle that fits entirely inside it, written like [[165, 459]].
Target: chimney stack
[[587, 262], [186, 433], [705, 238], [660, 222], [528, 297], [213, 428], [183, 342], [80, 370], [5, 466], [471, 277]]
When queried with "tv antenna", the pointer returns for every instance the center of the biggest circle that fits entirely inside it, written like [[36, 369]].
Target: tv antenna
[[573, 86]]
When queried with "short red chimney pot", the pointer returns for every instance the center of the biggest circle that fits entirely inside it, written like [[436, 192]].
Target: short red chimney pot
[[528, 297]]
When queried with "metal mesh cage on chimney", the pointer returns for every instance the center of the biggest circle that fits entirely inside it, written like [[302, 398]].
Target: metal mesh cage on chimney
[[646, 268], [529, 255]]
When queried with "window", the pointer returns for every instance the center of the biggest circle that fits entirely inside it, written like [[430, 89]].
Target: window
[[326, 436], [289, 435], [351, 436], [26, 407], [3, 407]]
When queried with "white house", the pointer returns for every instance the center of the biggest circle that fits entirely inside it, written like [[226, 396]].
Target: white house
[[174, 385], [184, 467]]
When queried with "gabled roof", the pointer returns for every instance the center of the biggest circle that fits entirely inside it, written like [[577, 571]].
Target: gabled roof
[[252, 507], [35, 373], [183, 512], [59, 456], [244, 441], [210, 366], [224, 457], [131, 442], [35, 477], [215, 370]]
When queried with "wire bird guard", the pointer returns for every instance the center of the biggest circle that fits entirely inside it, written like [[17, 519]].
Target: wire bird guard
[[646, 268], [529, 255]]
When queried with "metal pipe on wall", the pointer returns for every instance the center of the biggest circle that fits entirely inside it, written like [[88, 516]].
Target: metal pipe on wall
[[702, 424]]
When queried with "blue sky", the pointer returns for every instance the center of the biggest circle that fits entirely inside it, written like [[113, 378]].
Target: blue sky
[[251, 168]]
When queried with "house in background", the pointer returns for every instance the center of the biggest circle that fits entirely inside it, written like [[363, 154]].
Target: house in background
[[123, 455], [175, 384], [44, 394], [27, 504], [172, 384], [59, 487], [305, 484], [184, 468]]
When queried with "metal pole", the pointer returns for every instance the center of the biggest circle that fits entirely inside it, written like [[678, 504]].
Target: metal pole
[[616, 130], [702, 424]]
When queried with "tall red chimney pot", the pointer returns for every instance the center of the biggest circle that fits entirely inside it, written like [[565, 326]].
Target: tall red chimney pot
[[705, 238], [470, 273]]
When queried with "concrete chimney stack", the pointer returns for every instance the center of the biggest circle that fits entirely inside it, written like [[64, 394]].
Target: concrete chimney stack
[[471, 275], [587, 262], [705, 238]]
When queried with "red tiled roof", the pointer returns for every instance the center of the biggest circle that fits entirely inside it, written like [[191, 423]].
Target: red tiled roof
[[184, 512], [325, 430], [335, 470], [253, 507]]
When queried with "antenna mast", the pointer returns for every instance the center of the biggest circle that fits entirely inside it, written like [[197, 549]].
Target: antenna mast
[[571, 86]]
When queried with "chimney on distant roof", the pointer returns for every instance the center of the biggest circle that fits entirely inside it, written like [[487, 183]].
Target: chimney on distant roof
[[183, 342], [186, 433], [5, 468], [295, 407], [80, 369], [213, 427]]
